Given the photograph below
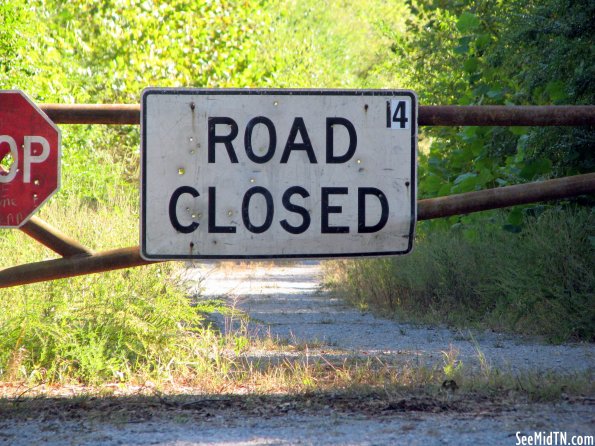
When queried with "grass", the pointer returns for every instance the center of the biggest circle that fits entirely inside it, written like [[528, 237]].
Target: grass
[[136, 332], [540, 281], [123, 326], [113, 326], [353, 377]]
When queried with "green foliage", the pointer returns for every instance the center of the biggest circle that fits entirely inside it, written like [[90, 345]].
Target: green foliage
[[539, 281], [554, 64], [10, 41], [16, 28], [536, 52], [113, 326], [324, 44], [97, 329], [123, 46], [128, 324]]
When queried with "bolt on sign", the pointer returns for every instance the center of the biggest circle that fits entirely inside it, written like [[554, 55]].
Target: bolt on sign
[[248, 174], [29, 158]]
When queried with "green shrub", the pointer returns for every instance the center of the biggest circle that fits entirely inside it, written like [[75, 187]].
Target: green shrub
[[96, 328], [538, 281]]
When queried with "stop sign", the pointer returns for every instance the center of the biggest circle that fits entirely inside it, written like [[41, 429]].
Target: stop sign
[[29, 158]]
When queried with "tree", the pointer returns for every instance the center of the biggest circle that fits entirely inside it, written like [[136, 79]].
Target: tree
[[536, 52]]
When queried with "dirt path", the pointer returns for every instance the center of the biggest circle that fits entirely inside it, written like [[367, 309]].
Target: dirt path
[[326, 427], [286, 303]]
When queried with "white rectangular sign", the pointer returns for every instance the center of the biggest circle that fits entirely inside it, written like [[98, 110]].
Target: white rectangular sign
[[235, 174]]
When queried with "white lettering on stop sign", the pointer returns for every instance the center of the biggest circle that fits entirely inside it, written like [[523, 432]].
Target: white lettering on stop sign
[[28, 156]]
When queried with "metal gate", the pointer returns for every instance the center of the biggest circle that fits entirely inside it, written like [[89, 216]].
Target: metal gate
[[79, 260]]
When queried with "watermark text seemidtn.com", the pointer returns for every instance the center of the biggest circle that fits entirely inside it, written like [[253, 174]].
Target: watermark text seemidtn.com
[[554, 438]]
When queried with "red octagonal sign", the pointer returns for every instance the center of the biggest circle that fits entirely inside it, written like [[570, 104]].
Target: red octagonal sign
[[29, 158]]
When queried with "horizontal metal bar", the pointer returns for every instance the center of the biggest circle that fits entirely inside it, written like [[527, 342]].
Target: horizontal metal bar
[[427, 209], [53, 238], [71, 266], [500, 115], [93, 113], [505, 196], [432, 115]]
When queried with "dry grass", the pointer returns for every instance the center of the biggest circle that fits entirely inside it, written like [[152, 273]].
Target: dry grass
[[306, 372]]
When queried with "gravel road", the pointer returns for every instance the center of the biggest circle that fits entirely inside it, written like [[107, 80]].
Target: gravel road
[[286, 302]]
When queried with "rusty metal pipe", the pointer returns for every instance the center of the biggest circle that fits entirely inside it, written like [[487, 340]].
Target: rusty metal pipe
[[71, 266], [501, 115], [118, 114], [505, 196], [53, 238], [432, 115], [427, 209]]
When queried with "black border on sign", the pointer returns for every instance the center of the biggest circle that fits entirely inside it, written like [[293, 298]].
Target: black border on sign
[[273, 91]]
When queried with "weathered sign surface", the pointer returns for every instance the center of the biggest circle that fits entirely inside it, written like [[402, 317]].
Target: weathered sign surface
[[29, 158], [277, 173]]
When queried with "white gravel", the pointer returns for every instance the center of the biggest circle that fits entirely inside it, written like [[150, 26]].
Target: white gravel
[[286, 302]]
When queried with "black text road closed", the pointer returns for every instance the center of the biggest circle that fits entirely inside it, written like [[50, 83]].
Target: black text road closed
[[277, 173]]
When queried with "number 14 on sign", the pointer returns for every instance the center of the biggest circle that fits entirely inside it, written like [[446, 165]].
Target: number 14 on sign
[[398, 113]]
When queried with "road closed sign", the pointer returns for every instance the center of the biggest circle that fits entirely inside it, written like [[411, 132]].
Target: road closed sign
[[249, 174]]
